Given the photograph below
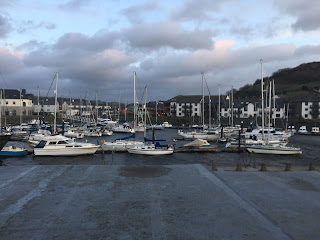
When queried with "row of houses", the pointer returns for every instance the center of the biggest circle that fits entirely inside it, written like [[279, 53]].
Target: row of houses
[[15, 102], [191, 106]]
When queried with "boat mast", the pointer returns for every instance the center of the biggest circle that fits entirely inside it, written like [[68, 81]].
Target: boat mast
[[81, 111], [219, 108], [145, 114], [202, 103], [262, 104], [97, 111], [232, 106], [274, 104], [269, 121], [134, 101], [38, 104], [156, 111], [20, 108], [125, 108], [119, 108], [55, 106]]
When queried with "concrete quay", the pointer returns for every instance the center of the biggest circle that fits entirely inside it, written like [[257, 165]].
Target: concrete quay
[[156, 202]]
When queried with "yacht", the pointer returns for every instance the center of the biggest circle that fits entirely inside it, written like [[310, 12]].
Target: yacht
[[150, 149], [167, 125], [59, 145], [274, 149], [206, 135], [73, 133]]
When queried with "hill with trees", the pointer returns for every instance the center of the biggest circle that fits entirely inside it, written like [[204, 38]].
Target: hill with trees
[[291, 82]]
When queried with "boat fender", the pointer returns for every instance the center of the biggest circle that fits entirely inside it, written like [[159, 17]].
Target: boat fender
[[101, 142]]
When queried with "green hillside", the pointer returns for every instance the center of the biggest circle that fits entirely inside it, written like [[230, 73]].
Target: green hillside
[[292, 82]]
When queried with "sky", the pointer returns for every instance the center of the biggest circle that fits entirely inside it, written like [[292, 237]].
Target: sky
[[96, 45]]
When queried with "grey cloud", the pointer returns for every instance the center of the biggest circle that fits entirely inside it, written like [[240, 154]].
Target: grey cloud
[[198, 10], [134, 13], [5, 26], [308, 50], [97, 42], [157, 35], [31, 45], [73, 5], [306, 13], [10, 61], [29, 25]]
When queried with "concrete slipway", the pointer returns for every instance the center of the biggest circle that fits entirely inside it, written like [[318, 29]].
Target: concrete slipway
[[156, 202]]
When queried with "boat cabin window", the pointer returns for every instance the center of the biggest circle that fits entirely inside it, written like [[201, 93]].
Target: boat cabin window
[[62, 142], [41, 144], [52, 143]]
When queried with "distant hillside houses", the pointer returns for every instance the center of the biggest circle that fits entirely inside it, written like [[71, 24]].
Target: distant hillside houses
[[190, 106]]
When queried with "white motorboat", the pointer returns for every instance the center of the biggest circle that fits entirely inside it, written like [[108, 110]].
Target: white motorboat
[[157, 127], [274, 149], [206, 135], [91, 133], [167, 125], [62, 146], [36, 137], [150, 149], [123, 129], [119, 145], [106, 132], [72, 133]]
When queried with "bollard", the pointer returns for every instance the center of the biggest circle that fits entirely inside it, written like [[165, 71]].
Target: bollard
[[214, 167], [263, 167], [239, 168], [312, 167], [288, 167]]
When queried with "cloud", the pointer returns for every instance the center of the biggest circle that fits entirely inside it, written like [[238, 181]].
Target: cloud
[[198, 10], [5, 26], [306, 13], [134, 13], [73, 5], [10, 60], [99, 41], [29, 25], [167, 34]]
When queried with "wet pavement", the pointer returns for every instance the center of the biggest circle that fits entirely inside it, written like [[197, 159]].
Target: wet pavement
[[185, 201]]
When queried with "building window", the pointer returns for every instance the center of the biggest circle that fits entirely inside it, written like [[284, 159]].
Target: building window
[[14, 102], [277, 115], [7, 112], [196, 109], [14, 112], [306, 109], [24, 104], [24, 112], [306, 115]]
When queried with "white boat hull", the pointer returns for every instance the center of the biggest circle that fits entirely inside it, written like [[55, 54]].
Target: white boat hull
[[195, 135], [151, 152], [274, 150], [68, 151]]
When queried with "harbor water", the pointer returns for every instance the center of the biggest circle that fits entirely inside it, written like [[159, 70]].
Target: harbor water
[[310, 154]]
